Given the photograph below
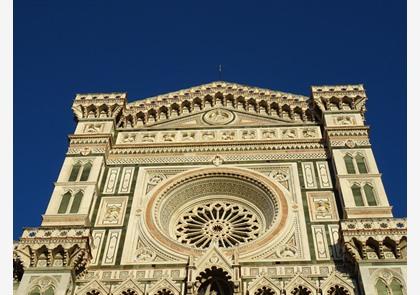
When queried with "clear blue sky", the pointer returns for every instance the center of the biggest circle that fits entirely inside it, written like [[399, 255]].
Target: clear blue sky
[[151, 47]]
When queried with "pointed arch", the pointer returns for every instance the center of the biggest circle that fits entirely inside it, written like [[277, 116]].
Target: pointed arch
[[301, 290], [337, 285], [263, 286], [94, 287], [252, 105], [361, 163], [86, 171], [300, 285], [381, 288], [396, 287], [65, 200], [77, 200], [348, 161], [357, 195], [338, 290], [197, 104], [128, 287], [36, 290], [75, 171], [370, 194]]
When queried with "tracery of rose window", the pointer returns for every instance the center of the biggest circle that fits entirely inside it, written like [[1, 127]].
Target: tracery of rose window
[[227, 224]]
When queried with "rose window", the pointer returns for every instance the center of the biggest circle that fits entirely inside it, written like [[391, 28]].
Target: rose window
[[230, 208], [227, 224]]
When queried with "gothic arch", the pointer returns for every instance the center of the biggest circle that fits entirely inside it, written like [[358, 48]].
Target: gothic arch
[[94, 287], [214, 279], [43, 284], [164, 287], [128, 287], [263, 286], [387, 275], [300, 285], [336, 285]]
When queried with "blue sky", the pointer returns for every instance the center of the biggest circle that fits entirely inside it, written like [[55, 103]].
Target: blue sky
[[151, 47]]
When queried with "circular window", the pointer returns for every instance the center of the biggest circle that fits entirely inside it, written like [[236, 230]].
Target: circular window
[[228, 207], [225, 223]]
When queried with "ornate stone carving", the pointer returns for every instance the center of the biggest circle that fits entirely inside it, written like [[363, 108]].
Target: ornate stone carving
[[93, 128], [227, 224], [322, 206], [218, 117], [144, 254]]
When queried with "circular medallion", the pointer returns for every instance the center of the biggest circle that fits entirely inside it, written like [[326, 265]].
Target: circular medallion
[[218, 117]]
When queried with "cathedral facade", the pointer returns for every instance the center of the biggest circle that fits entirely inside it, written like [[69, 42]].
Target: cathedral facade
[[219, 189]]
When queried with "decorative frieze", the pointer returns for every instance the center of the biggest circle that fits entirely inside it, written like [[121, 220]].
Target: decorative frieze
[[212, 135]]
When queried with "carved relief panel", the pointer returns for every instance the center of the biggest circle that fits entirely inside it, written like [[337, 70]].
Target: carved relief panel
[[322, 206], [111, 211]]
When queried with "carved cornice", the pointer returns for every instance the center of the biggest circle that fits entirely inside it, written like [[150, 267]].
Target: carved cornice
[[374, 239], [340, 97], [51, 247], [98, 105]]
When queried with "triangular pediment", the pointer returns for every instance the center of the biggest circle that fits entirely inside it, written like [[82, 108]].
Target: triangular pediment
[[164, 283], [214, 88], [214, 257], [262, 282], [93, 285], [220, 117], [216, 104]]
